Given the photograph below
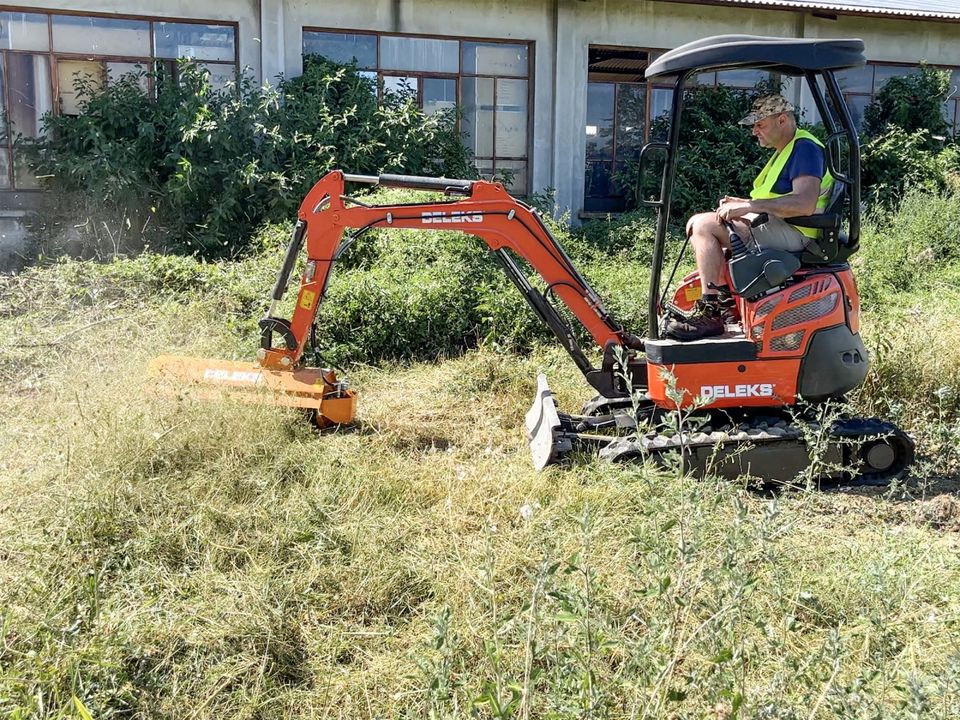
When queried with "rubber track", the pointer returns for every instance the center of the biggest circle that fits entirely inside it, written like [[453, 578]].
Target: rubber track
[[762, 430]]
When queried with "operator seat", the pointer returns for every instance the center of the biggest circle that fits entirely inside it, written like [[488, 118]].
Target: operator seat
[[833, 245], [755, 273]]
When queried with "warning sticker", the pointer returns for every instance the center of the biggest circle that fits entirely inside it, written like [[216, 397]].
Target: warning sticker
[[306, 299]]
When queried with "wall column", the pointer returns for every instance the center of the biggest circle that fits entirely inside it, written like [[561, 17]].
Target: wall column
[[570, 91], [271, 40]]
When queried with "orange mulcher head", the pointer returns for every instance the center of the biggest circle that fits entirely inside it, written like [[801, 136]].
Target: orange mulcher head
[[315, 389]]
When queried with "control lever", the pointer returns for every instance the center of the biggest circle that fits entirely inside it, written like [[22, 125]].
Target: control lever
[[737, 248]]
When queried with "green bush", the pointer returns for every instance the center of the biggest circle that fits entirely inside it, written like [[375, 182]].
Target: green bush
[[912, 102], [897, 160], [904, 131], [394, 294], [717, 156], [198, 169], [909, 250]]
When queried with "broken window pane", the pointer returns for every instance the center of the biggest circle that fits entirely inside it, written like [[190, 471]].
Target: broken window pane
[[194, 41], [23, 31], [4, 169], [511, 125], [439, 94], [116, 71], [419, 54], [495, 59], [476, 125], [78, 78], [29, 93]]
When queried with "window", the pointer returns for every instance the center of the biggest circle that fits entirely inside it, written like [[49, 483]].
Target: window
[[624, 111], [616, 122], [487, 80], [861, 85], [45, 58]]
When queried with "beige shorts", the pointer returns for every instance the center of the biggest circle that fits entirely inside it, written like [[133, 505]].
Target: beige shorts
[[779, 235]]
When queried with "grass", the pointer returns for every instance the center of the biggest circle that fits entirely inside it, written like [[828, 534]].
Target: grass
[[162, 557]]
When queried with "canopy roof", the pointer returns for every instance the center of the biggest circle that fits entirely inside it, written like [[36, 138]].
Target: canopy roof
[[790, 56]]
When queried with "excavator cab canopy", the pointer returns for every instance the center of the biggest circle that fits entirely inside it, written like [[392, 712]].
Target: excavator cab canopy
[[814, 62], [779, 55]]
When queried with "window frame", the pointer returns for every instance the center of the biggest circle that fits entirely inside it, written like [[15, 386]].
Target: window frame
[[651, 89], [382, 72], [53, 56], [952, 100]]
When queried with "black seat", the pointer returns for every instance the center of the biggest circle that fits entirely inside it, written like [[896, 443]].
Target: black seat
[[833, 245], [756, 272]]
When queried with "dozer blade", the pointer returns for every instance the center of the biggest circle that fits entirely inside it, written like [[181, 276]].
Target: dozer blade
[[310, 388], [548, 443]]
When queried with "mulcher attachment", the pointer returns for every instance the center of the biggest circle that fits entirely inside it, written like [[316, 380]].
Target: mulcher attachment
[[314, 389]]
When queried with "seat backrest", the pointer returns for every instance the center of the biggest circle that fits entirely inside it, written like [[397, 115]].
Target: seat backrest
[[832, 245]]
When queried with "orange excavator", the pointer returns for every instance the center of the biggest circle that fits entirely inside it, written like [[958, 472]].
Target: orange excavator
[[751, 400]]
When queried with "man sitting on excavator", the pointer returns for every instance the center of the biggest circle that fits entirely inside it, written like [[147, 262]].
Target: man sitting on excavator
[[795, 181]]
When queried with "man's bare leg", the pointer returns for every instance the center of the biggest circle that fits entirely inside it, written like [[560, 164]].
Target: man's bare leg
[[709, 239]]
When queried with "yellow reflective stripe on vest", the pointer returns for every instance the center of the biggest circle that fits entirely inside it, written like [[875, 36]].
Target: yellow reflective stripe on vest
[[763, 185]]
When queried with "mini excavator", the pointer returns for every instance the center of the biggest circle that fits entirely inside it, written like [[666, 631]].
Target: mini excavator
[[750, 396]]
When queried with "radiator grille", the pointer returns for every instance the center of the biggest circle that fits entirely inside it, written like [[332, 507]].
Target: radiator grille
[[800, 293], [808, 311], [766, 307]]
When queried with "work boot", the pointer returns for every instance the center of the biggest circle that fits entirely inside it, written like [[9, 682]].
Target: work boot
[[728, 305], [706, 321]]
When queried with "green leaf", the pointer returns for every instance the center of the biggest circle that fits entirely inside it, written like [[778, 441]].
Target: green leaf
[[81, 709]]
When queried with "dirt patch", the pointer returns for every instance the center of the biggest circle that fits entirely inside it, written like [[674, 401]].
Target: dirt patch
[[941, 512]]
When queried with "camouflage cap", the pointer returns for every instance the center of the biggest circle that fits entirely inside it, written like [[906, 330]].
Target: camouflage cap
[[766, 106]]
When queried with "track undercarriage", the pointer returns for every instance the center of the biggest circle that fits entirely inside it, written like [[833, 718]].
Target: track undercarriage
[[769, 445]]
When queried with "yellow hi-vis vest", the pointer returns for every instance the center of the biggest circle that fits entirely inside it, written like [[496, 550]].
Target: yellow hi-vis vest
[[763, 185]]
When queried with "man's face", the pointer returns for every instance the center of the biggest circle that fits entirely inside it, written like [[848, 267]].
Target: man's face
[[766, 130]]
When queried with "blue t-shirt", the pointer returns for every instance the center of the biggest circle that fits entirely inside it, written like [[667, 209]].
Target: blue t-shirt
[[806, 159]]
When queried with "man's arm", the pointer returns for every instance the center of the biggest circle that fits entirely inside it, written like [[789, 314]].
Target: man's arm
[[802, 200]]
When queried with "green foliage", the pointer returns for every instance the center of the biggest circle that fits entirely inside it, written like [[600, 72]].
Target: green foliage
[[903, 137], [198, 169], [897, 160], [910, 250], [912, 103], [717, 156]]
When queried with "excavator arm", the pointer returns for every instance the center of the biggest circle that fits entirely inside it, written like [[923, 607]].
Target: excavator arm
[[329, 221], [481, 208]]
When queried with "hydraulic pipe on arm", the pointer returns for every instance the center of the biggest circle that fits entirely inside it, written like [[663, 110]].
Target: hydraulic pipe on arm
[[485, 210]]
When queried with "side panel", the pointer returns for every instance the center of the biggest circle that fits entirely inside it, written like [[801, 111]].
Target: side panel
[[836, 362], [852, 299], [756, 383]]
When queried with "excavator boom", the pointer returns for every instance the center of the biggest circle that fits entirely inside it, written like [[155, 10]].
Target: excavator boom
[[329, 221]]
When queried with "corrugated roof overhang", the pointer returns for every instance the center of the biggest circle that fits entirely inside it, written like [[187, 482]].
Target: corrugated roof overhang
[[894, 9]]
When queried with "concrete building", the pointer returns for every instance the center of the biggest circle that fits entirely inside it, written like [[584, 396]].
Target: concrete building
[[551, 90]]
